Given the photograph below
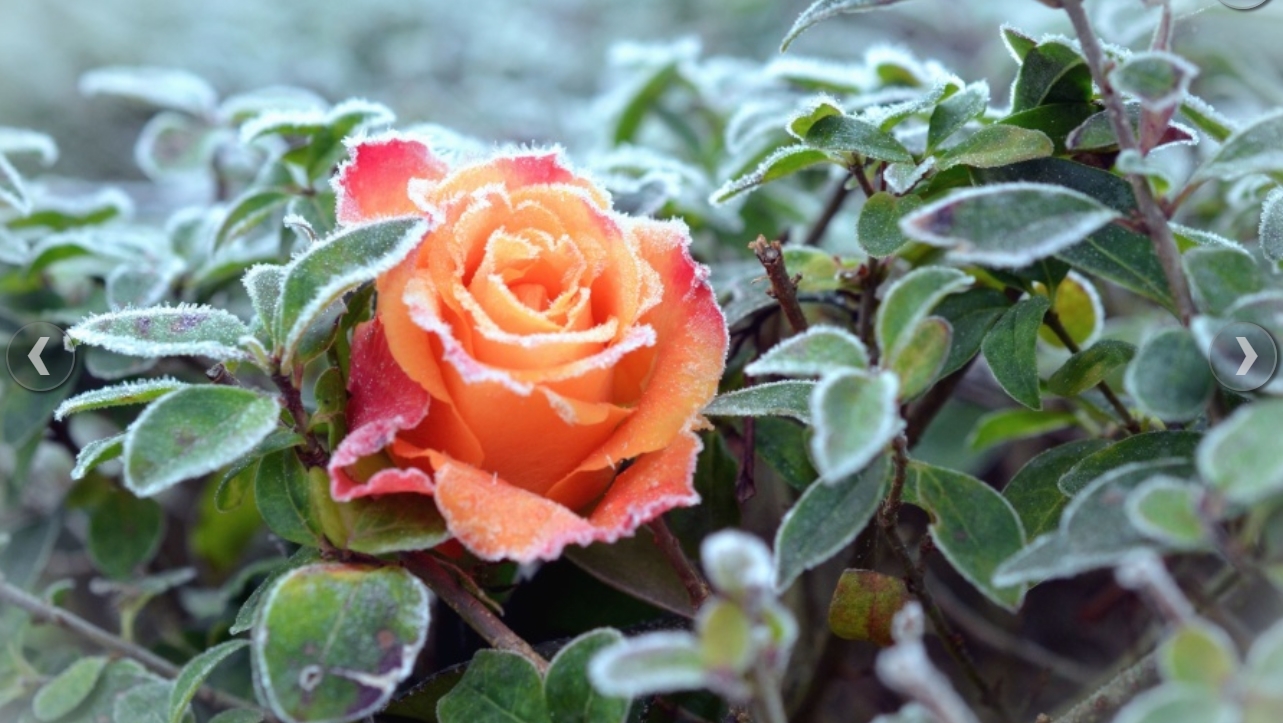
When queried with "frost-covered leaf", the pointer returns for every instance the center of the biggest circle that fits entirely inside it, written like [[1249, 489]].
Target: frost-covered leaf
[[1011, 348], [284, 495], [133, 287], [1005, 425], [338, 121], [902, 177], [1078, 306], [954, 112], [570, 695], [13, 190], [1089, 367], [174, 144], [636, 566], [879, 231], [1255, 148], [263, 284], [22, 141], [825, 519], [652, 663], [1170, 377], [910, 300], [864, 604], [68, 689], [1198, 653], [1166, 510], [738, 564], [921, 357], [1007, 225], [250, 210], [142, 704], [774, 399], [164, 331], [57, 213], [846, 134], [1218, 277], [332, 641], [1272, 226], [96, 452], [1240, 456], [1034, 492], [1177, 703], [823, 10], [783, 162], [821, 106], [1147, 447], [975, 527], [1052, 72], [160, 87], [390, 523], [856, 415], [326, 270], [137, 392], [498, 686], [194, 674], [124, 532], [191, 432], [996, 145], [1158, 79], [970, 314], [815, 352]]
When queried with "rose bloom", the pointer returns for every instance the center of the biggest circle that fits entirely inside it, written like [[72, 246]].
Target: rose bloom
[[537, 364]]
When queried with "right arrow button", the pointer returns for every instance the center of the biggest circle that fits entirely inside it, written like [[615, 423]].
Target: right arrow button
[[1243, 356], [1249, 356]]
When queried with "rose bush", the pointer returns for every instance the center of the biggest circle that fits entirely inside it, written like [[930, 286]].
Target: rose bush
[[537, 364]]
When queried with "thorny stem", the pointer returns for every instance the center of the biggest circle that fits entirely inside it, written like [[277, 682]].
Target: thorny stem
[[1160, 233], [472, 610], [46, 613], [783, 288], [888, 520], [836, 198], [696, 586], [1052, 320]]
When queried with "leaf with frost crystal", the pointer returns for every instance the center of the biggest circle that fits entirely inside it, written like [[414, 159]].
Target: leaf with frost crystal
[[902, 177], [878, 229], [160, 87], [815, 352], [956, 111], [95, 453], [194, 674], [263, 283], [19, 141], [1166, 510], [824, 520], [1158, 79], [1035, 492], [821, 106], [996, 145], [1147, 447], [652, 663], [570, 694], [1170, 377], [1256, 148], [1005, 425], [774, 399], [183, 330], [1052, 72], [328, 269], [856, 415], [138, 392], [1240, 456], [921, 357], [910, 300], [191, 432], [825, 9], [1272, 226], [783, 162], [13, 190], [67, 690], [738, 564], [250, 210], [845, 134], [1011, 348], [1007, 225], [1089, 367], [1219, 277], [341, 119], [497, 686], [1179, 703]]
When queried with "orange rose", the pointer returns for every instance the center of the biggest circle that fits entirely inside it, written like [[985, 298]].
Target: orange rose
[[537, 364]]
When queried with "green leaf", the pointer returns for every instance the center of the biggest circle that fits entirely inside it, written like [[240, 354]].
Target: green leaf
[[1034, 491], [570, 696], [783, 162], [1057, 121], [283, 492], [846, 134], [137, 392], [782, 443], [97, 452], [142, 704], [1198, 653], [878, 230], [1166, 510], [1090, 367], [250, 210], [124, 532], [971, 314], [1158, 79], [1240, 456], [864, 604], [68, 689], [1255, 148], [194, 674], [316, 278], [238, 715], [391, 523], [922, 357], [13, 190], [1218, 277], [636, 566], [823, 10], [825, 519], [974, 526], [815, 352], [1005, 425], [499, 687], [1179, 703], [954, 112], [1147, 447], [725, 637], [1011, 349], [821, 106], [249, 609], [191, 432], [856, 416], [159, 87], [910, 300], [996, 145], [1007, 225], [1052, 72], [332, 641], [183, 330], [651, 663], [1076, 303], [1170, 377], [1271, 229], [238, 478], [774, 399]]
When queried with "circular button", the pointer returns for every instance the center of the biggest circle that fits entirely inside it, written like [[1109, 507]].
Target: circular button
[[1243, 356], [1242, 4], [37, 358]]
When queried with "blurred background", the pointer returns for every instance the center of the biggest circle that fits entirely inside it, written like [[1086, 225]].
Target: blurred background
[[518, 71]]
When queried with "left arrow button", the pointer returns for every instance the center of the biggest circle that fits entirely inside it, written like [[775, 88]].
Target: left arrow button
[[34, 356], [37, 357]]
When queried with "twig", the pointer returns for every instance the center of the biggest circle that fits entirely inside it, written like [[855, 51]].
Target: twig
[[44, 612], [915, 581], [1101, 705], [870, 279], [472, 610], [783, 288], [836, 198], [696, 585], [746, 478], [1052, 320], [312, 453], [1160, 233]]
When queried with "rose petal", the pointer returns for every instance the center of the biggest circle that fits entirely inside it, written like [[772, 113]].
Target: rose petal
[[654, 484], [375, 182]]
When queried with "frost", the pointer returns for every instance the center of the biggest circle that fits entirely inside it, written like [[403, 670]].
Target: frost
[[651, 663], [1159, 79], [95, 453], [817, 72], [160, 87], [1256, 148], [815, 352], [856, 416], [774, 399], [183, 330], [902, 177], [16, 141], [811, 111], [350, 115], [738, 564], [783, 162], [137, 392], [823, 10], [13, 190], [242, 106], [906, 669], [1272, 226]]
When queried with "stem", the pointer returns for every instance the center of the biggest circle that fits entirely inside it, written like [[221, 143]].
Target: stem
[[1152, 214], [836, 198], [696, 586], [869, 283], [44, 612], [1101, 705], [783, 288], [921, 414], [1052, 320], [312, 454], [472, 610], [770, 704], [915, 581]]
